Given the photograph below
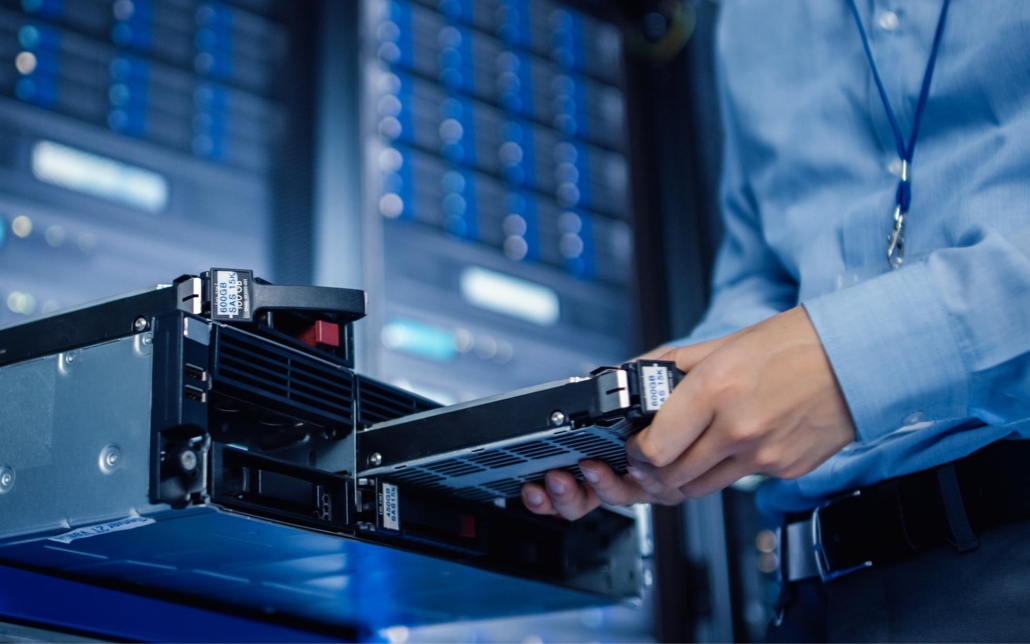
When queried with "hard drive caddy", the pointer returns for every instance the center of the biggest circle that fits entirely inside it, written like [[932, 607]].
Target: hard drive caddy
[[487, 449]]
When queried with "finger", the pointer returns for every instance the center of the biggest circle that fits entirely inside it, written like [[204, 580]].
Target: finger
[[656, 354], [686, 358], [536, 500], [655, 489], [675, 427], [710, 449], [609, 486], [570, 499], [722, 475]]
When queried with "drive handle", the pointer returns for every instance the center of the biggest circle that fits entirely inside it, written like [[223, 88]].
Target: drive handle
[[235, 295], [347, 302]]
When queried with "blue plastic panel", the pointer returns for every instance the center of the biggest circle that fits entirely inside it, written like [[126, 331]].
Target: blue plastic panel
[[236, 564], [58, 604]]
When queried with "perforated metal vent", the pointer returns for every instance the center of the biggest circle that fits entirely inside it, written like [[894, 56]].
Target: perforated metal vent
[[378, 402], [499, 471], [254, 370]]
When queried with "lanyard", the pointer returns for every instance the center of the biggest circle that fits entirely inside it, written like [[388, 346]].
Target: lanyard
[[895, 241]]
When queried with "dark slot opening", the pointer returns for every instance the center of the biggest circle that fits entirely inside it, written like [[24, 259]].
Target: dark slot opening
[[193, 372], [277, 489], [195, 393]]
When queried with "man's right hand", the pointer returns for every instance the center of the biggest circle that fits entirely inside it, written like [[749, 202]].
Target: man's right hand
[[563, 495]]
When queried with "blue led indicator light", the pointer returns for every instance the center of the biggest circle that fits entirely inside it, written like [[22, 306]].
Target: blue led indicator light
[[28, 37]]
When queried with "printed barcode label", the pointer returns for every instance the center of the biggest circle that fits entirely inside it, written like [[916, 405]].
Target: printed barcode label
[[390, 509], [654, 387], [230, 298]]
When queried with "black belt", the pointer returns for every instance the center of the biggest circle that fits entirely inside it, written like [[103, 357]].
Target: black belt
[[895, 519]]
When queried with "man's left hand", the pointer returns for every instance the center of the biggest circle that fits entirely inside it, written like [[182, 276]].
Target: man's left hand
[[761, 401]]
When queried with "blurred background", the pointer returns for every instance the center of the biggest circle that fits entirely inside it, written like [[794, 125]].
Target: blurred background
[[525, 188]]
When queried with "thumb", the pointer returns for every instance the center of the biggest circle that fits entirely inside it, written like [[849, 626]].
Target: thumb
[[686, 358]]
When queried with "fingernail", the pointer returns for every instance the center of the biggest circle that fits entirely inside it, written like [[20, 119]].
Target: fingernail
[[637, 474], [535, 497], [555, 486], [590, 474]]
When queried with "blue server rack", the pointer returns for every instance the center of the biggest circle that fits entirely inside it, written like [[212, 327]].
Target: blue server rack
[[141, 138], [498, 220]]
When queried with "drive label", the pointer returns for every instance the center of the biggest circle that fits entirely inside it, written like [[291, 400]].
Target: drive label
[[103, 528], [230, 295], [654, 388], [390, 507]]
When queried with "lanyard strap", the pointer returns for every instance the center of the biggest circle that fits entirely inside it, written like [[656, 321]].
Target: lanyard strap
[[903, 197]]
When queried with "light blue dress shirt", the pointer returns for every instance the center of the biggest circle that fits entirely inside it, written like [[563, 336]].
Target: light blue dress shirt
[[934, 358]]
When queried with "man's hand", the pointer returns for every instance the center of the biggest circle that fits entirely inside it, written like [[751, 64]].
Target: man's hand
[[763, 400], [563, 495]]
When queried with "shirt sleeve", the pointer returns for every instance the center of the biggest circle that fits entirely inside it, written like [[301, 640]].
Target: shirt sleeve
[[943, 339], [749, 283]]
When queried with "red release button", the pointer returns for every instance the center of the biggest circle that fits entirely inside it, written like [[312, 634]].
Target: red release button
[[321, 333]]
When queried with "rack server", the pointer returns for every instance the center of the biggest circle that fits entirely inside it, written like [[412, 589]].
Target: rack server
[[198, 441]]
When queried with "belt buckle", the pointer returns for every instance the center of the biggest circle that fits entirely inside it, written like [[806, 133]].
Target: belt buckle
[[822, 563]]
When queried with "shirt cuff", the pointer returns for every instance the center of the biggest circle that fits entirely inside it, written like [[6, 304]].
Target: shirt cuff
[[892, 348]]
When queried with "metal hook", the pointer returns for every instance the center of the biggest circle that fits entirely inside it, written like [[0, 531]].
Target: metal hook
[[895, 241]]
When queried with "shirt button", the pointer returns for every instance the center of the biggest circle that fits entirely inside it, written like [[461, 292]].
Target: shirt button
[[913, 418], [888, 21]]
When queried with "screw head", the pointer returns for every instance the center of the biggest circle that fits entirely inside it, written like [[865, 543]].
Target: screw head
[[69, 357], [557, 418], [375, 458], [188, 460], [148, 339], [139, 324], [6, 479], [110, 457]]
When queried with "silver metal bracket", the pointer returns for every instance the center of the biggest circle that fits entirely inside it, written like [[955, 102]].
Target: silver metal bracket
[[189, 293], [612, 390]]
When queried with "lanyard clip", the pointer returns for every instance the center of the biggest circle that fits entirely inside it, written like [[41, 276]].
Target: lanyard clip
[[895, 241]]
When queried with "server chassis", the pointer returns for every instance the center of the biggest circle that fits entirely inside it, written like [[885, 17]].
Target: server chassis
[[179, 445]]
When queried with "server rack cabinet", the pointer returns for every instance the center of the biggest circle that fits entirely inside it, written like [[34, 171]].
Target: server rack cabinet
[[497, 222], [145, 139]]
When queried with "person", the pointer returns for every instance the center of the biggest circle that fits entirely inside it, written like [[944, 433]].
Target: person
[[867, 345]]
